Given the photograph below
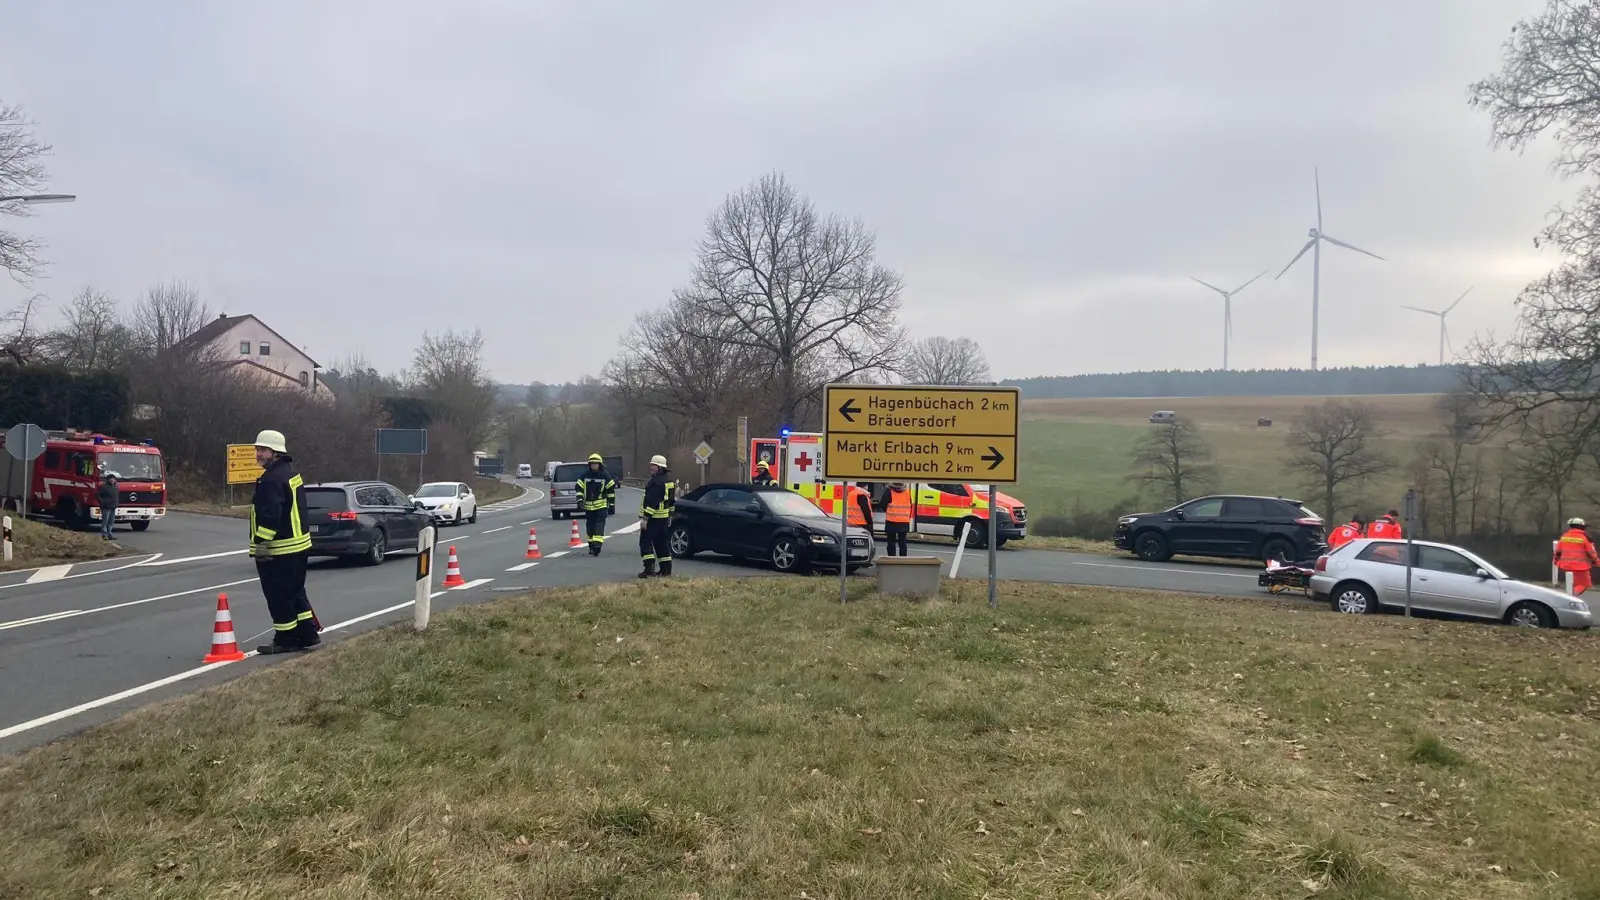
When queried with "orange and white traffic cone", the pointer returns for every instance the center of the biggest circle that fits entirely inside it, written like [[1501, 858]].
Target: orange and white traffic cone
[[452, 571], [577, 539], [224, 646], [533, 543]]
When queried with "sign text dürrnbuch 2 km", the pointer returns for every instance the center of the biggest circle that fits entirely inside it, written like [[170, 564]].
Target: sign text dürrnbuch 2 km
[[892, 432]]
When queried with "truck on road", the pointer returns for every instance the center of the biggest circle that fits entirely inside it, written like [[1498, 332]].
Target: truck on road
[[61, 482]]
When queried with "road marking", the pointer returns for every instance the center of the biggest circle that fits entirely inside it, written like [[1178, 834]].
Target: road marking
[[49, 573], [629, 529], [557, 555], [38, 619], [139, 562], [51, 617], [521, 566], [184, 559], [476, 582], [501, 528]]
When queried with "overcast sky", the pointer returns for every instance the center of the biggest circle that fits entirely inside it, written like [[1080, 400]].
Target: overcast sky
[[1046, 174]]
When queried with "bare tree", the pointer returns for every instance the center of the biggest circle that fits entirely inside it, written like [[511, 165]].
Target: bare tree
[[1451, 459], [1174, 459], [168, 313], [447, 371], [22, 171], [942, 360], [1334, 446], [356, 382], [1547, 83], [92, 337], [1549, 450], [802, 292], [22, 341]]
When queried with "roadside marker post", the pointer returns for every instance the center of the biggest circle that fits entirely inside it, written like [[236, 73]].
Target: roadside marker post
[[961, 545], [964, 434], [424, 587], [8, 538], [1410, 516]]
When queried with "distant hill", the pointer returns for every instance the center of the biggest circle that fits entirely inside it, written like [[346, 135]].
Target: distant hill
[[1247, 383]]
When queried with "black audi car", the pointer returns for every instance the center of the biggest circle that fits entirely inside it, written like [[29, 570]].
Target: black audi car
[[769, 523], [362, 520], [1227, 527]]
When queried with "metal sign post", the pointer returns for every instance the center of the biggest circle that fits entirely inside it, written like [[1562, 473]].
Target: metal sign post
[[25, 443], [1409, 515], [741, 450], [844, 543], [702, 455], [400, 442], [994, 521]]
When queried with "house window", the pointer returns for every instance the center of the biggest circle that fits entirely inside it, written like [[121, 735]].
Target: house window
[[244, 348], [266, 348], [305, 379]]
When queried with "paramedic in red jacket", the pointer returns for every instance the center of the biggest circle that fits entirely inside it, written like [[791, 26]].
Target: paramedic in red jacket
[[1344, 534], [1575, 553]]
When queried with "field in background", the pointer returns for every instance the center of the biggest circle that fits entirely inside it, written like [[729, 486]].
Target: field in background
[[1077, 453], [723, 739]]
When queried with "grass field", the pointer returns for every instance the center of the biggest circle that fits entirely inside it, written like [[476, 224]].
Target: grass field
[[735, 739], [43, 544], [1078, 452]]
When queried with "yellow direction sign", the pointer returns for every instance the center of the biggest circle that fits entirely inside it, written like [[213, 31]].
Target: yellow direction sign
[[921, 433], [242, 466]]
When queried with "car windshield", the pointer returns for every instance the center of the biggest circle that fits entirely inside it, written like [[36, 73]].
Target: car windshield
[[784, 503], [570, 472], [130, 466], [436, 490]]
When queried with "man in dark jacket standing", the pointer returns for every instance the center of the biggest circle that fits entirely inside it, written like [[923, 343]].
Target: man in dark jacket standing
[[106, 492], [281, 545], [655, 517]]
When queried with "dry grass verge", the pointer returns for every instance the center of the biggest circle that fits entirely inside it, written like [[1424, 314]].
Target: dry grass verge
[[725, 739], [42, 544]]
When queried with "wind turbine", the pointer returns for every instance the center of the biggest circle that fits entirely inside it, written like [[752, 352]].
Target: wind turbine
[[1315, 246], [1444, 333], [1227, 312]]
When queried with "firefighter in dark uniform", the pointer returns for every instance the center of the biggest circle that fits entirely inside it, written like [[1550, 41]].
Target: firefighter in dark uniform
[[597, 497], [655, 517], [280, 544], [763, 475]]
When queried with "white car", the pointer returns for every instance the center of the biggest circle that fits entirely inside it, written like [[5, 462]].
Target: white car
[[525, 470], [449, 502], [1367, 575]]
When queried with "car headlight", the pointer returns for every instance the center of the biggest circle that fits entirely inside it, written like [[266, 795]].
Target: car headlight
[[824, 539], [1577, 606], [447, 506], [1125, 520]]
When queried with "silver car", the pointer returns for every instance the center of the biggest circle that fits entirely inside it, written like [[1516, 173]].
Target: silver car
[[1366, 575]]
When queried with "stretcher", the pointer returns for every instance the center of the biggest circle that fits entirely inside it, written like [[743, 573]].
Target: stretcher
[[1280, 577]]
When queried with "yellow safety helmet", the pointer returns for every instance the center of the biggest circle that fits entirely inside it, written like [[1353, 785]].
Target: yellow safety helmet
[[762, 464], [595, 457]]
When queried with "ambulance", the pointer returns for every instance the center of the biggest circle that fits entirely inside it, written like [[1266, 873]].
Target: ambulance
[[939, 510]]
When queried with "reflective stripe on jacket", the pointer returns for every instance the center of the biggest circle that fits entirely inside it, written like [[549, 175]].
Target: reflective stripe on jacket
[[1575, 552], [277, 512], [596, 491], [898, 511], [660, 497]]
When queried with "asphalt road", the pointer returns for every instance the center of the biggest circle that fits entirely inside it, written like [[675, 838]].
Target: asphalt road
[[84, 644]]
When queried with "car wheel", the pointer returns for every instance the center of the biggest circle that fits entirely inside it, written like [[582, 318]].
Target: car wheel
[[141, 525], [785, 554], [375, 553], [978, 536], [473, 519], [1279, 550], [1528, 614], [680, 542], [1353, 599], [1151, 547], [457, 521]]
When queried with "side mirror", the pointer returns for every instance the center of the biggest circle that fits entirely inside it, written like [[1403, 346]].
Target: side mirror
[[754, 506], [1178, 514], [1483, 574], [415, 503]]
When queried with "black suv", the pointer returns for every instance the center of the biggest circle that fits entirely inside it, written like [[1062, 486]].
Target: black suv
[[1225, 526]]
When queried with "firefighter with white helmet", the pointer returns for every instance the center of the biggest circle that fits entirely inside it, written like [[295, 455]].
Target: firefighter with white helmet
[[655, 517], [281, 546], [597, 497]]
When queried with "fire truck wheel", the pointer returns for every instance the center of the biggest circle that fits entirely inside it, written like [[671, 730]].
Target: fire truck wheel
[[141, 525], [72, 515]]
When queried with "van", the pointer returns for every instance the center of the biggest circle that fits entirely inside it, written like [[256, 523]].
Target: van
[[564, 488], [524, 470], [1163, 417], [550, 469]]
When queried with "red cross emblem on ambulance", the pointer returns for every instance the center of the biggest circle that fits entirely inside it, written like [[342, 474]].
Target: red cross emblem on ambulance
[[803, 461]]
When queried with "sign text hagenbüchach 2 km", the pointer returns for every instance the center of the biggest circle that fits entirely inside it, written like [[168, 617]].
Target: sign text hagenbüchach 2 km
[[881, 432]]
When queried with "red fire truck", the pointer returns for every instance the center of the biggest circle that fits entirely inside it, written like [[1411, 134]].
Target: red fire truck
[[61, 481]]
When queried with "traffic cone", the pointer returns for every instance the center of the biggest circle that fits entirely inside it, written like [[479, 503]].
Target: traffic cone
[[224, 646], [533, 543], [452, 571], [577, 539]]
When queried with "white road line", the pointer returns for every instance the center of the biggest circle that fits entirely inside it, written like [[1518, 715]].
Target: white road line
[[141, 560], [627, 529], [49, 573], [52, 617], [184, 559], [37, 619], [557, 555], [476, 582], [529, 522], [521, 566], [501, 528]]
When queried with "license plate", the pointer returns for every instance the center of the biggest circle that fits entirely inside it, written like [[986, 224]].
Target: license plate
[[319, 529], [858, 553]]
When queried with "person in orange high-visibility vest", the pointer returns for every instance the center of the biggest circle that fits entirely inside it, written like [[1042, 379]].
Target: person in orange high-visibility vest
[[858, 507], [897, 518], [1575, 553], [1344, 534], [1386, 526]]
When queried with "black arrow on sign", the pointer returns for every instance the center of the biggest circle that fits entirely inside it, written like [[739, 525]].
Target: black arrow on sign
[[849, 411], [994, 459]]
